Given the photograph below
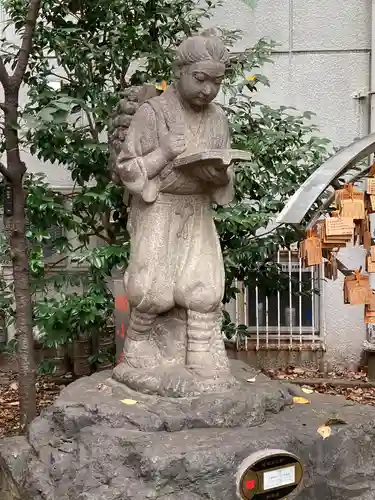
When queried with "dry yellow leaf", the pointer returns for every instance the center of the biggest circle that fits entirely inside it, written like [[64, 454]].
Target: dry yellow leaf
[[307, 390], [325, 431], [300, 401], [129, 401], [161, 86]]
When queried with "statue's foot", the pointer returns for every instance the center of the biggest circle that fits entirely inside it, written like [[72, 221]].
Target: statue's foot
[[203, 366], [172, 381], [143, 353], [139, 355]]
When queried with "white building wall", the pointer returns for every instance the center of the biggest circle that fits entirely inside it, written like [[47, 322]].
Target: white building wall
[[322, 62]]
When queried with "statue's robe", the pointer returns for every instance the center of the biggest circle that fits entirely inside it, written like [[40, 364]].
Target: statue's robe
[[175, 257]]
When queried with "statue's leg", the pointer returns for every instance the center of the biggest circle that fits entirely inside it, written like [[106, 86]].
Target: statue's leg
[[200, 289], [140, 348], [218, 347], [148, 284], [200, 356]]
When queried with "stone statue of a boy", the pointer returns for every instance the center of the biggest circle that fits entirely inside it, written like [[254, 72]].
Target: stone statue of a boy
[[176, 261]]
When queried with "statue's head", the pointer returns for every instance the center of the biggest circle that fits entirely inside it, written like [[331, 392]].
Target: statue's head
[[200, 68]]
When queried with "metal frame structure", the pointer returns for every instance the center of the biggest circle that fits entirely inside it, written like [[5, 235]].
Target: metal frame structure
[[316, 194], [339, 169]]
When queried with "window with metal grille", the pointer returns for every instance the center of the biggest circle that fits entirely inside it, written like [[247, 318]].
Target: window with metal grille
[[286, 318], [293, 311], [55, 232]]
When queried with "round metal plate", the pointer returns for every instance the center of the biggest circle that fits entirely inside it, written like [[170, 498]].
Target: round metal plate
[[269, 475]]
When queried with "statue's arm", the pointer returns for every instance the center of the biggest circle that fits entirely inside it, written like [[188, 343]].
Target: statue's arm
[[141, 158]]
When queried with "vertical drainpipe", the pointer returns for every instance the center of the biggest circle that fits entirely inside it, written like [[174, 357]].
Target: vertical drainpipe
[[372, 72], [370, 330], [290, 38]]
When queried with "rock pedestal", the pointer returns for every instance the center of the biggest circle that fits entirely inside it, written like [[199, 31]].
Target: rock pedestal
[[101, 441]]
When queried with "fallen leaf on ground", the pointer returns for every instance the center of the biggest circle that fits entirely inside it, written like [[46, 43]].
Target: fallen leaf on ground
[[299, 371], [129, 401], [300, 401], [47, 392], [292, 373], [325, 431], [307, 389]]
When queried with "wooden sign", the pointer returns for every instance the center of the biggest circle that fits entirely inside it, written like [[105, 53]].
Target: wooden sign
[[366, 239], [357, 289], [330, 267], [371, 305], [310, 250], [351, 202], [370, 264], [336, 232], [370, 311], [354, 209], [372, 203], [339, 226], [269, 475], [371, 185], [349, 191]]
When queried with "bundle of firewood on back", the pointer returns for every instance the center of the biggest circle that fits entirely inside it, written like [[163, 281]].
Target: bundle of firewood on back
[[120, 120]]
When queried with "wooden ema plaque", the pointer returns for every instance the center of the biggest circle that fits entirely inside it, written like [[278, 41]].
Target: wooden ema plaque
[[371, 185], [269, 475], [335, 232], [351, 202]]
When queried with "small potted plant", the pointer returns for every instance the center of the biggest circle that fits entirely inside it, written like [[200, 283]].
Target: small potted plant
[[88, 316]]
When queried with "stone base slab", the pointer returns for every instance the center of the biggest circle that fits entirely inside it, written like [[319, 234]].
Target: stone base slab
[[103, 441]]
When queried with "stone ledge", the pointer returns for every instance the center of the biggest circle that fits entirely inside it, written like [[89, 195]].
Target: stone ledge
[[92, 446]]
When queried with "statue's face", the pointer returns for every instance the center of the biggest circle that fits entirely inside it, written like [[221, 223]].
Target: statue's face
[[199, 83]]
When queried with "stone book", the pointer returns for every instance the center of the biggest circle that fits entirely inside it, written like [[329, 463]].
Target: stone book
[[220, 158]]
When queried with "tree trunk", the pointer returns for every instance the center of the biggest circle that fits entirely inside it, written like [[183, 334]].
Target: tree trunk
[[16, 226], [26, 363]]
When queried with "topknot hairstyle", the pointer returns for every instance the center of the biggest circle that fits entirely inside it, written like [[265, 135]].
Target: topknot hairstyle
[[206, 46]]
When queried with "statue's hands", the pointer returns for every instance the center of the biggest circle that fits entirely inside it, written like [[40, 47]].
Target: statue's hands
[[172, 145], [212, 175], [125, 171]]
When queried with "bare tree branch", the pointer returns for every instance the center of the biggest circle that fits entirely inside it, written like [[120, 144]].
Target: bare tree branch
[[27, 43], [93, 130], [4, 77], [5, 172]]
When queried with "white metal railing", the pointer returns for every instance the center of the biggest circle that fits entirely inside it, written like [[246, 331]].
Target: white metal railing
[[288, 319]]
